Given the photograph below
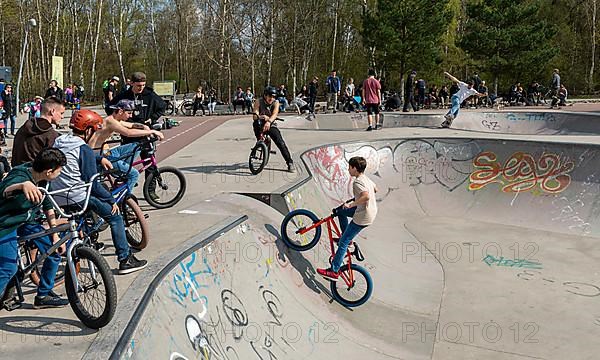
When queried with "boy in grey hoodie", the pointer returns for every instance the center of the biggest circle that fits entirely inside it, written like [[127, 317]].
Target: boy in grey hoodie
[[81, 166]]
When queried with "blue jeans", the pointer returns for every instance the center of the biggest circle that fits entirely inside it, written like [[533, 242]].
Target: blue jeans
[[283, 103], [349, 232], [13, 121], [121, 158], [455, 106], [117, 227], [8, 258]]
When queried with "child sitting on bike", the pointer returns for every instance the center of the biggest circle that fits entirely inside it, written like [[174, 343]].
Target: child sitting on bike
[[362, 209], [81, 166], [265, 113], [121, 156], [19, 200]]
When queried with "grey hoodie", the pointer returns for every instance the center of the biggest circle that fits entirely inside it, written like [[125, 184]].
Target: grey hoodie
[[81, 166]]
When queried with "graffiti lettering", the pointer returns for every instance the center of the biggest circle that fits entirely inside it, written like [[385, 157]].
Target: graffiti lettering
[[573, 287], [501, 261], [521, 172], [492, 125], [185, 281], [235, 312]]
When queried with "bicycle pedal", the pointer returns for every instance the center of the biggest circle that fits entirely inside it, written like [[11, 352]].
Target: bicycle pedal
[[357, 253], [146, 216], [273, 152], [12, 304]]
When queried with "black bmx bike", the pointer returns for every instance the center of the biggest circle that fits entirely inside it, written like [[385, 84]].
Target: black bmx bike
[[259, 154]]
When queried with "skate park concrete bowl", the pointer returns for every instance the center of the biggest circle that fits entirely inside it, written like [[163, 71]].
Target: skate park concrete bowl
[[524, 122], [482, 248]]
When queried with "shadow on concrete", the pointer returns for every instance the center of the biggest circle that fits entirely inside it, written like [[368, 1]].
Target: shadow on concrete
[[299, 262], [41, 326], [240, 169]]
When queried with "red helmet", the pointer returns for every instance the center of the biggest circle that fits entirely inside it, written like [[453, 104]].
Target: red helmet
[[84, 119]]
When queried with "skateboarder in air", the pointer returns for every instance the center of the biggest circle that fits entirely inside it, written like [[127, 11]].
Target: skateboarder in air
[[465, 91]]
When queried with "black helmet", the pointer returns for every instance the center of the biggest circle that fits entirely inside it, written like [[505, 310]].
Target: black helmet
[[270, 90]]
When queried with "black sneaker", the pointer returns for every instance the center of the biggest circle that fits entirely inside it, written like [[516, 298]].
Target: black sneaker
[[131, 264], [49, 301], [291, 168], [370, 128]]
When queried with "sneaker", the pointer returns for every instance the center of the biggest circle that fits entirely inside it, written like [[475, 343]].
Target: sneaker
[[131, 264], [49, 301], [370, 128], [291, 168], [329, 274]]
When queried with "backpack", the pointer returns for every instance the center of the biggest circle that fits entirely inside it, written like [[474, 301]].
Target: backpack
[[105, 85]]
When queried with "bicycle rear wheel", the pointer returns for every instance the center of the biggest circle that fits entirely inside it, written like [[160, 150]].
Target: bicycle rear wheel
[[358, 292], [95, 302], [259, 157], [164, 187], [136, 225], [296, 220], [186, 108]]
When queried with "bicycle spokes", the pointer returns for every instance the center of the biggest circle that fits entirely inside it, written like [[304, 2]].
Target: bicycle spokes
[[300, 233]]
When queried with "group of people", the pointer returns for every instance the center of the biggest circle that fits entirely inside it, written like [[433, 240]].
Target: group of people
[[535, 93], [43, 157]]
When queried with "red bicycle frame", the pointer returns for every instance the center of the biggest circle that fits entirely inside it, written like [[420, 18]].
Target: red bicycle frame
[[333, 229]]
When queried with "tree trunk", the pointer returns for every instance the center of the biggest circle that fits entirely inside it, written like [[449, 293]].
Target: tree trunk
[[95, 49], [335, 31], [44, 61], [58, 3]]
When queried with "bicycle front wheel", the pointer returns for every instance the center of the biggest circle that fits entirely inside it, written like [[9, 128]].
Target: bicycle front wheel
[[186, 108], [358, 291], [95, 301], [137, 230], [259, 157], [164, 187], [293, 222]]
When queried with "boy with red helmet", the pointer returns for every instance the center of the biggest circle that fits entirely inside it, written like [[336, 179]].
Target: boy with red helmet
[[81, 166]]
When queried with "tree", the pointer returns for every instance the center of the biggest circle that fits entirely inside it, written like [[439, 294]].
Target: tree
[[405, 34], [509, 38]]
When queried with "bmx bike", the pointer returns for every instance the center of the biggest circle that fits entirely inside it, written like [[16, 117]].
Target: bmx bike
[[89, 282], [260, 152], [301, 231]]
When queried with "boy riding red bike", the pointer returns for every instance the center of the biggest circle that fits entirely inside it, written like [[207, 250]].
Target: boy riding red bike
[[363, 210]]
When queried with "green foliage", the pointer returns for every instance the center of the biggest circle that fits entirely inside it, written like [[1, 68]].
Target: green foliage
[[509, 39]]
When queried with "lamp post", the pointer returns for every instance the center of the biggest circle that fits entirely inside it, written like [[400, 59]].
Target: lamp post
[[31, 23]]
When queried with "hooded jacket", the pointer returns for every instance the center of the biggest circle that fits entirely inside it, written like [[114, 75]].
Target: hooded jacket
[[148, 106], [34, 136], [81, 166], [17, 210]]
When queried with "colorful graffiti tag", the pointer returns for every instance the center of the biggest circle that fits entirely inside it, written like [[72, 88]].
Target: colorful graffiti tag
[[521, 172]]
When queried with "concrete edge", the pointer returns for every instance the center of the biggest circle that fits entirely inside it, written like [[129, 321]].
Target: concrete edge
[[113, 340]]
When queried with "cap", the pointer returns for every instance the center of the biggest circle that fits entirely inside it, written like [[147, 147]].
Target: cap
[[124, 104], [116, 78], [39, 97]]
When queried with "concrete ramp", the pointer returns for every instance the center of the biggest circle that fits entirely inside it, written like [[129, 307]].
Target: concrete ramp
[[481, 249], [502, 122]]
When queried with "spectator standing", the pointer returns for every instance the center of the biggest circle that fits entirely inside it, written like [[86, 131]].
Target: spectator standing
[[409, 97], [282, 97], [54, 90], [555, 87], [349, 96], [37, 134], [371, 97], [110, 93], [9, 105], [421, 93], [333, 86], [313, 88]]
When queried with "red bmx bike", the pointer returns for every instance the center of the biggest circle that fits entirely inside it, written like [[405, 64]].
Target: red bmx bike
[[301, 231]]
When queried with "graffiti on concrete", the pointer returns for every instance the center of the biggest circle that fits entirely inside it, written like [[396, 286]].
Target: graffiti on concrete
[[330, 170], [519, 263], [521, 172], [573, 287], [189, 278]]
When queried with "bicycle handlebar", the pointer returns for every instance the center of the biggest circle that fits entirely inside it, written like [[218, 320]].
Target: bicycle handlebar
[[58, 208]]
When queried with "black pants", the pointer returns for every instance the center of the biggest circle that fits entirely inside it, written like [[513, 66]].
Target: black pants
[[409, 98], [237, 103], [311, 104], [276, 137], [198, 105]]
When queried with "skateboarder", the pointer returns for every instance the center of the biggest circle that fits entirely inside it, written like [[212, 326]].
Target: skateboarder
[[465, 91]]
